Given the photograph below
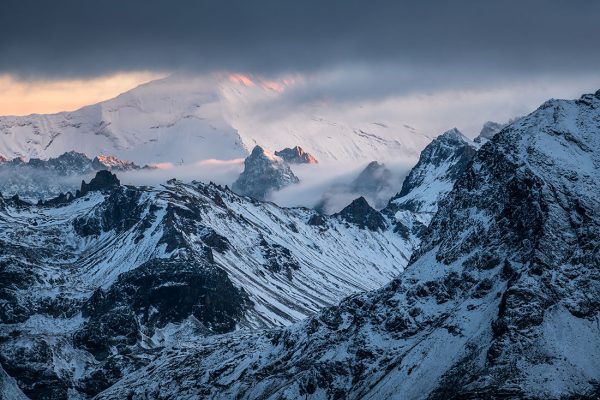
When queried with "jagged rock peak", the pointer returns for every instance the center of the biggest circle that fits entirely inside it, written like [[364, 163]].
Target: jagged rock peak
[[360, 213], [491, 129], [263, 173], [449, 146], [297, 155], [113, 163], [104, 180], [452, 136], [259, 151], [440, 164]]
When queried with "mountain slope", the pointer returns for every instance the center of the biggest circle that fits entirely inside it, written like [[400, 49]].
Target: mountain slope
[[186, 119], [501, 300], [161, 121], [95, 287]]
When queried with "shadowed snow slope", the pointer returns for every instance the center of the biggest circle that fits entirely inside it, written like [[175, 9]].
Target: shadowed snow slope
[[501, 300]]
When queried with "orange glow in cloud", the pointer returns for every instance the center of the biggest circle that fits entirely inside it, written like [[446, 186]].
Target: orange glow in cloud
[[274, 85], [241, 79], [163, 165], [213, 161], [42, 97]]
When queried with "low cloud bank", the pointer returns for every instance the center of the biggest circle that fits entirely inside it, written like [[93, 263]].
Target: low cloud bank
[[222, 172], [329, 188]]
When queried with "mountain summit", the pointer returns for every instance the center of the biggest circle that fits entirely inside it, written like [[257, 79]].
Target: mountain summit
[[439, 166], [263, 173], [297, 155]]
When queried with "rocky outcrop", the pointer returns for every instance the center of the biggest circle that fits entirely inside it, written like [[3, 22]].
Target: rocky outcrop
[[297, 155], [103, 181], [263, 173], [155, 294], [361, 214]]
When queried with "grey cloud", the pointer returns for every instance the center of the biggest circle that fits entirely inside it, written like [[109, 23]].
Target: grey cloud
[[54, 39]]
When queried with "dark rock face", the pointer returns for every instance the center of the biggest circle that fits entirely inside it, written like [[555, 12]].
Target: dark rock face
[[154, 294], [62, 198], [278, 258], [262, 174], [103, 181], [360, 213], [159, 292], [33, 364], [15, 275], [501, 300], [121, 210], [296, 156], [317, 220]]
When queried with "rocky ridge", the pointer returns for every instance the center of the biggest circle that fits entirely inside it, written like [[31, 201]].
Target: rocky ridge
[[36, 179]]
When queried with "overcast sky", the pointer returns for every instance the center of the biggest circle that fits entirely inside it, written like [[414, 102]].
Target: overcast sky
[[359, 49]]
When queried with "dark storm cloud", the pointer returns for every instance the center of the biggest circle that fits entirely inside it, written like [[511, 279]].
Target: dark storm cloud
[[54, 39]]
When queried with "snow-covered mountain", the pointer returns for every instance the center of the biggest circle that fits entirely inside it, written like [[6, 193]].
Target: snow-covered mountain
[[488, 131], [502, 300], [96, 286], [186, 119], [36, 179]]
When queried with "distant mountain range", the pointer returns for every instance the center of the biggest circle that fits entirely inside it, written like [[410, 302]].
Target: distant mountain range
[[35, 179], [190, 119]]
